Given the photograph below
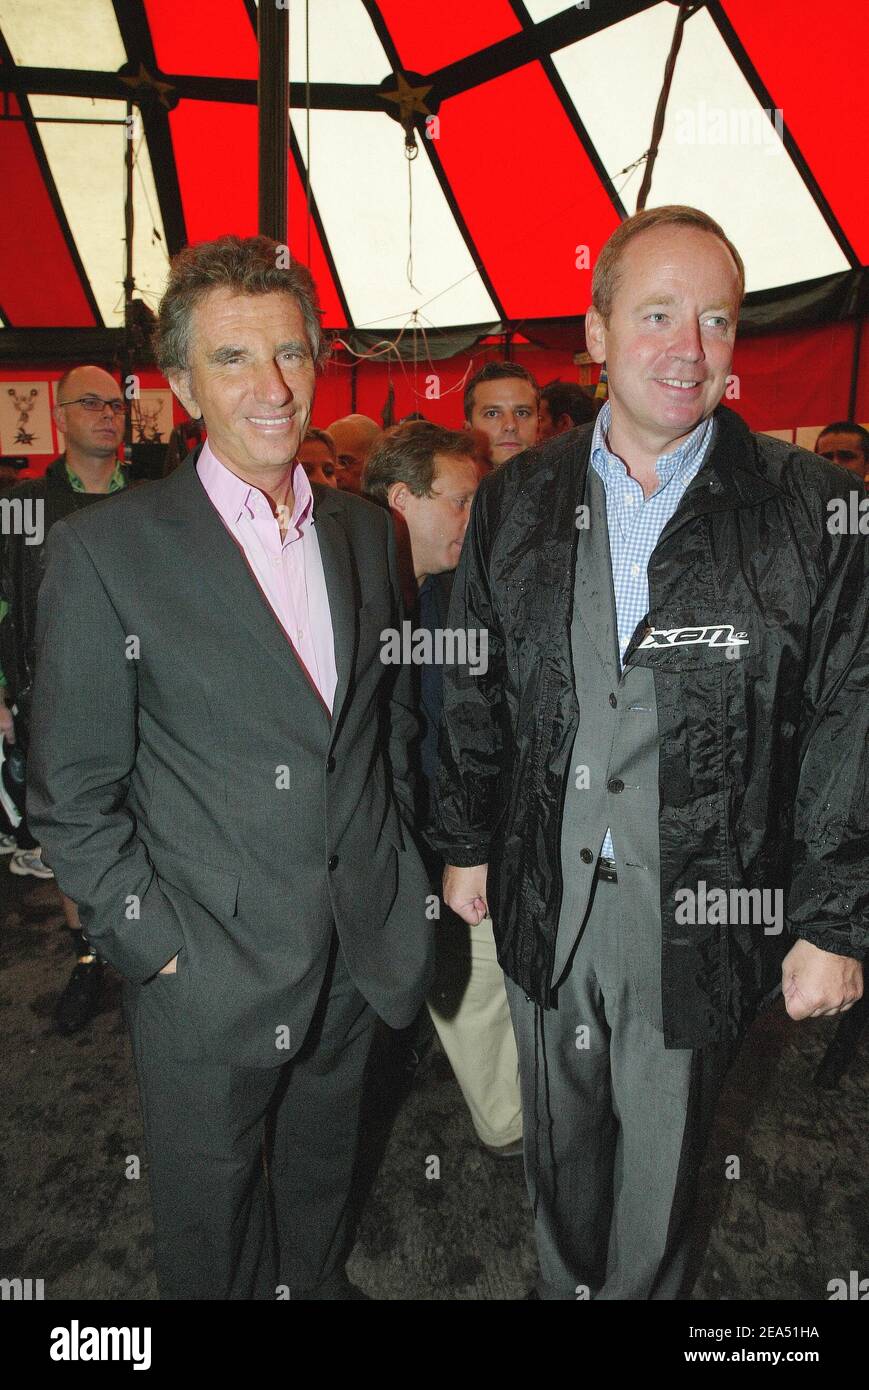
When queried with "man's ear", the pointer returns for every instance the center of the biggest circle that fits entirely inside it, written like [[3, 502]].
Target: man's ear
[[595, 335], [182, 387], [396, 496], [58, 419]]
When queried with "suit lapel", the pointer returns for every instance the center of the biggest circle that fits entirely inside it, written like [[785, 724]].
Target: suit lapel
[[343, 590], [595, 599], [221, 562]]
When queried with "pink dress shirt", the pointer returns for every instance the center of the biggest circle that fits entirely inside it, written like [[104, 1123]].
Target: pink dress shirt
[[289, 572]]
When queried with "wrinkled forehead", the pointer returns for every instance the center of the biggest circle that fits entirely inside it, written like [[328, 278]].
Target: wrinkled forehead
[[675, 258], [222, 315]]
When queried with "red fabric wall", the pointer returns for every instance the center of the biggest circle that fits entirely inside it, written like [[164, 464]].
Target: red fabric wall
[[786, 381]]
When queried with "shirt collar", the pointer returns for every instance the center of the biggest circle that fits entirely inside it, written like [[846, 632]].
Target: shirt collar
[[679, 463], [116, 482], [234, 498]]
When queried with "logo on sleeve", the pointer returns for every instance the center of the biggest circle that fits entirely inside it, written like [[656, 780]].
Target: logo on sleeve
[[713, 635]]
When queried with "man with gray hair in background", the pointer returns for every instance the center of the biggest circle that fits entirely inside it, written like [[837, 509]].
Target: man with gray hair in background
[[238, 836]]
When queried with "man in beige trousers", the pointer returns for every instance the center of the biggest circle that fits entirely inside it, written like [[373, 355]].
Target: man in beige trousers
[[427, 476]]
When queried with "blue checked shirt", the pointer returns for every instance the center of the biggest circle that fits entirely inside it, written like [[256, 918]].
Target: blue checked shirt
[[635, 522]]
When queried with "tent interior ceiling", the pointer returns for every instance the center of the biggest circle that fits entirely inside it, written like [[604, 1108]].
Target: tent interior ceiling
[[530, 123]]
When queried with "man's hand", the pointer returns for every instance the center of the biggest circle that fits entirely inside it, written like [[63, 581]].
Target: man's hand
[[170, 967], [7, 723], [818, 984], [465, 892]]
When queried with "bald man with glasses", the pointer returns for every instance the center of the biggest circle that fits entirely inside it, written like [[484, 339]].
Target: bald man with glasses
[[89, 411]]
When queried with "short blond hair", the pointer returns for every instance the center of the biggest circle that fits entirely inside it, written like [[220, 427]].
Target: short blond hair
[[606, 271]]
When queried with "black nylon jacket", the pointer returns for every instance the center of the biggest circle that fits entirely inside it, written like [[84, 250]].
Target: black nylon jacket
[[22, 567], [763, 767]]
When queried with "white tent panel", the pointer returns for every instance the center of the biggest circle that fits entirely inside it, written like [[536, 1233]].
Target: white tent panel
[[342, 47], [87, 165], [359, 177], [63, 33], [719, 151], [545, 9]]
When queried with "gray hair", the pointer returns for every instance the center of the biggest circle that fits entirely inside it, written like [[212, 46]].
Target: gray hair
[[243, 265]]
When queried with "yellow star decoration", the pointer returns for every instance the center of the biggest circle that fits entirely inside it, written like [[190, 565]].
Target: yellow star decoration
[[409, 100], [143, 82]]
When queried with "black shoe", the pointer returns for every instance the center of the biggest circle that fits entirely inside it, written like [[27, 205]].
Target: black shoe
[[78, 1003]]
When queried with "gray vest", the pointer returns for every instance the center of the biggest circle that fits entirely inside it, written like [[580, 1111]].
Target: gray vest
[[614, 771]]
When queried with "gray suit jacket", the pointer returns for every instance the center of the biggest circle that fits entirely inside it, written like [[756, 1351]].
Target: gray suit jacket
[[188, 786]]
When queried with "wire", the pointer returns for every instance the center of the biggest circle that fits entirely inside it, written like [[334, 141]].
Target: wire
[[308, 130]]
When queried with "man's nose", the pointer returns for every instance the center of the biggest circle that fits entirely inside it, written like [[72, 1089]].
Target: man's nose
[[510, 422], [686, 343], [271, 386]]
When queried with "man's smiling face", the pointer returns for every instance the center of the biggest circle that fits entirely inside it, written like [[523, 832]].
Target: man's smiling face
[[668, 345], [251, 377]]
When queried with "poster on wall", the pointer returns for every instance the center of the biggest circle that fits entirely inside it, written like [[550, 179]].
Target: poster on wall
[[152, 417], [25, 418]]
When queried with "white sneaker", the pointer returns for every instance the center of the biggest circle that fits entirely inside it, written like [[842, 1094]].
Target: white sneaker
[[29, 861], [8, 844]]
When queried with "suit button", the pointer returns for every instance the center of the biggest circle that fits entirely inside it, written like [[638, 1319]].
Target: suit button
[[615, 784], [613, 700], [330, 763], [333, 862], [586, 856]]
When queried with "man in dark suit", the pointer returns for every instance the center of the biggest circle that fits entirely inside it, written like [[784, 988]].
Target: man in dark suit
[[219, 779]]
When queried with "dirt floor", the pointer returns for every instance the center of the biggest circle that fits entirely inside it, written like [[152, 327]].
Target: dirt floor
[[794, 1218]]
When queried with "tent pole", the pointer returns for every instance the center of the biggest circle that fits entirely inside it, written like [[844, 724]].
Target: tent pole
[[129, 281], [273, 97]]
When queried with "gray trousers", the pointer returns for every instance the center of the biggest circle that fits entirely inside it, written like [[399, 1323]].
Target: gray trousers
[[615, 1125], [224, 1227]]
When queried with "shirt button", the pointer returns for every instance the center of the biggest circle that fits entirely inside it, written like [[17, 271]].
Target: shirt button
[[615, 784], [586, 856], [333, 863], [330, 763], [613, 700], [635, 569]]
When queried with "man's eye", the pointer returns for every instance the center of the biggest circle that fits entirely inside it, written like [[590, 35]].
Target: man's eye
[[656, 315]]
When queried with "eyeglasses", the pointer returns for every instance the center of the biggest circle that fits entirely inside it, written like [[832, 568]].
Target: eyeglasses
[[97, 403]]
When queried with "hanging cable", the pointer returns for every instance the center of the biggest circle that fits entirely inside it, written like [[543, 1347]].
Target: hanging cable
[[308, 131], [410, 153], [685, 11]]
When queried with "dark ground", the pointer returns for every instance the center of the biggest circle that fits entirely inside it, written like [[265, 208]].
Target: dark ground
[[795, 1218]]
